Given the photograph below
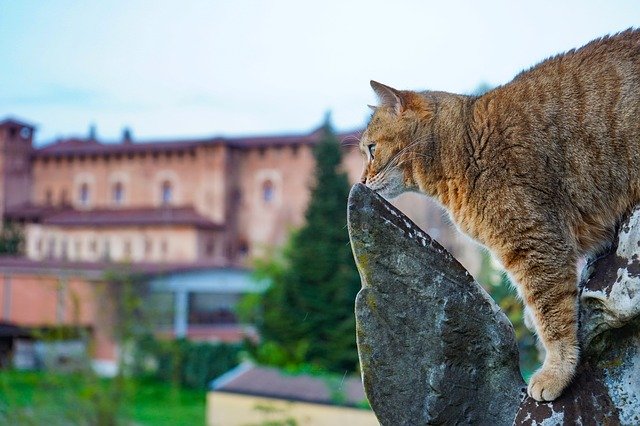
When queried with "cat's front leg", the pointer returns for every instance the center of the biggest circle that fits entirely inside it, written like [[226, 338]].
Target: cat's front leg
[[528, 319], [547, 281]]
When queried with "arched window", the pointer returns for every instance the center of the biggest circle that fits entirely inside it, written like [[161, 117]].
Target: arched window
[[243, 247], [118, 193], [268, 191], [64, 198], [84, 194], [167, 192]]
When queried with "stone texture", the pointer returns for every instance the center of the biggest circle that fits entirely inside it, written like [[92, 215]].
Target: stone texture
[[436, 349]]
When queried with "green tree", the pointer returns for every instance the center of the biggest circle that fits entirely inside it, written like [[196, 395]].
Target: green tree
[[307, 314], [11, 239]]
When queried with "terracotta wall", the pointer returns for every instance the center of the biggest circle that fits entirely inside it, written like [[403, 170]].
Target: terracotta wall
[[57, 298], [266, 222], [197, 178]]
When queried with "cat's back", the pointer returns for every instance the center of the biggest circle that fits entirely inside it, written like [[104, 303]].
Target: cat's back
[[606, 58], [588, 98], [570, 125]]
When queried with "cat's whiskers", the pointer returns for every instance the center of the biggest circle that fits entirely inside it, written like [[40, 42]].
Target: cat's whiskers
[[354, 143], [395, 160], [351, 140]]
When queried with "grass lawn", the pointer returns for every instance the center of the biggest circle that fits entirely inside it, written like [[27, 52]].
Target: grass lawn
[[35, 398], [158, 403]]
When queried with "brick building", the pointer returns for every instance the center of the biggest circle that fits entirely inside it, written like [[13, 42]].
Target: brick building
[[206, 204]]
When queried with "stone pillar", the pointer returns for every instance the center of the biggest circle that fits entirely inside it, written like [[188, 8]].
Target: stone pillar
[[181, 314]]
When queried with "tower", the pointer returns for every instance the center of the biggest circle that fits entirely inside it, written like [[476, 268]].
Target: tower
[[16, 146]]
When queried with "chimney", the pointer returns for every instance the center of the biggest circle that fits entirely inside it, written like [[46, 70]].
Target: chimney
[[92, 132], [127, 138]]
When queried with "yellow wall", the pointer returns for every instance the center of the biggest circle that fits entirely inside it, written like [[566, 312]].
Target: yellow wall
[[227, 409]]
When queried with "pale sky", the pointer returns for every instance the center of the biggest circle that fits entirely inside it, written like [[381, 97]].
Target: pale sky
[[207, 68]]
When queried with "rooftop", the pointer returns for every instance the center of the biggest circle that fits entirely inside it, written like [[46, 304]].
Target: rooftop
[[10, 121], [106, 217], [248, 379], [96, 270], [88, 146], [144, 216]]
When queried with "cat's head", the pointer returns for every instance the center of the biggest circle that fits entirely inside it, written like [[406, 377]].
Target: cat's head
[[392, 140]]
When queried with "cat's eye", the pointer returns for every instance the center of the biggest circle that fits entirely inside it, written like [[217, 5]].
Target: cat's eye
[[372, 150]]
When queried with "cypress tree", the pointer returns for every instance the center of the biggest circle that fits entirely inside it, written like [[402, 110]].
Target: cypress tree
[[308, 316]]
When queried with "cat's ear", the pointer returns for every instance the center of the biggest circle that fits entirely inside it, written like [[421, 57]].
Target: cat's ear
[[388, 96]]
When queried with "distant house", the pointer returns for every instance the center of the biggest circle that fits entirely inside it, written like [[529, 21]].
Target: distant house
[[250, 394], [190, 300]]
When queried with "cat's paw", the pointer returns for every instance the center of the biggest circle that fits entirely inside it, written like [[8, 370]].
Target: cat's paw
[[548, 383]]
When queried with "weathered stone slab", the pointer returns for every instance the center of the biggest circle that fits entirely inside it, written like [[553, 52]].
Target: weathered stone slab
[[436, 349]]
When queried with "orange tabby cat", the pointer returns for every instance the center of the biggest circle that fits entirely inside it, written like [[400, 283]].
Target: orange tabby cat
[[539, 170]]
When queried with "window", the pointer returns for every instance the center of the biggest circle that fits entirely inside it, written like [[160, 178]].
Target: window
[[64, 198], [212, 308], [243, 247], [84, 194], [48, 197], [118, 193], [268, 191], [167, 192]]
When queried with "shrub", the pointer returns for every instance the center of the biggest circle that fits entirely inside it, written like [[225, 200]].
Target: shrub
[[183, 362]]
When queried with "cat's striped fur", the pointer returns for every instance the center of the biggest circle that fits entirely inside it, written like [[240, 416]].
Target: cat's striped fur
[[539, 170]]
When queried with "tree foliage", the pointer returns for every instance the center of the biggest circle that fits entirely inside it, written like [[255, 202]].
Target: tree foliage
[[11, 239], [306, 316]]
